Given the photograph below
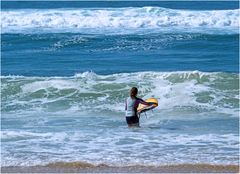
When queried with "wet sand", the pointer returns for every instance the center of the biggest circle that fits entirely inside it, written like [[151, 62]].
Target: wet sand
[[77, 167]]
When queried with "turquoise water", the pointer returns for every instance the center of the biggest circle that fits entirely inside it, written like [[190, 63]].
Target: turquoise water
[[67, 68]]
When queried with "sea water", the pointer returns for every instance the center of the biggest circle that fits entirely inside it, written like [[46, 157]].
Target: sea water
[[67, 68]]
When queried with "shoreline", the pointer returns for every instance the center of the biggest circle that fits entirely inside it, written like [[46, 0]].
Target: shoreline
[[79, 167]]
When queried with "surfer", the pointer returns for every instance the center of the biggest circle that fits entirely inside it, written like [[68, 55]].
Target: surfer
[[131, 106]]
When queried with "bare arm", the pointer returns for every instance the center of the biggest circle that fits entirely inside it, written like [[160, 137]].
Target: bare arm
[[143, 102]]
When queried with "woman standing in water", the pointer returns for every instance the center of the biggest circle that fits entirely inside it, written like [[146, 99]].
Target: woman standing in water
[[131, 106]]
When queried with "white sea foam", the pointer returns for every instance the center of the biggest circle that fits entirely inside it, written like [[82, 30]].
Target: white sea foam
[[22, 135], [113, 148], [118, 20], [53, 83]]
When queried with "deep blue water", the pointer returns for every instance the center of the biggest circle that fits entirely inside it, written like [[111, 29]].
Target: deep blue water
[[40, 56], [67, 68]]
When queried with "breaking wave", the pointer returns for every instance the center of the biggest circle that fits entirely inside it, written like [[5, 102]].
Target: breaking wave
[[194, 91], [119, 20]]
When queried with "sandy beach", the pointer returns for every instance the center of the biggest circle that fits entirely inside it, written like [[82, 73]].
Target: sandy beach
[[78, 167]]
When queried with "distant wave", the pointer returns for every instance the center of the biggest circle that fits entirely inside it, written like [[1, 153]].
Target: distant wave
[[119, 20]]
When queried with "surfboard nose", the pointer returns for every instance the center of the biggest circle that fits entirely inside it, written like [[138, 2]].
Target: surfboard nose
[[152, 101], [143, 108]]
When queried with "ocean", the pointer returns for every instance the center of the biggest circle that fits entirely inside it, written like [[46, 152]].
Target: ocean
[[67, 68]]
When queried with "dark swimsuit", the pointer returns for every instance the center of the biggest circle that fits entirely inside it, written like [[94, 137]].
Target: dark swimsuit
[[132, 119]]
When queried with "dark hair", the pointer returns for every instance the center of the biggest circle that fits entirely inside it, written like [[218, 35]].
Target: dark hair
[[133, 92]]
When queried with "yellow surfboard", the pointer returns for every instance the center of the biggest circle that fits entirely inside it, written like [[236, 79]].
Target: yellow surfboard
[[143, 108]]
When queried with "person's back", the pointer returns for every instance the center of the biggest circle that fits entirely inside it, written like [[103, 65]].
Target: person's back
[[130, 107], [132, 103]]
